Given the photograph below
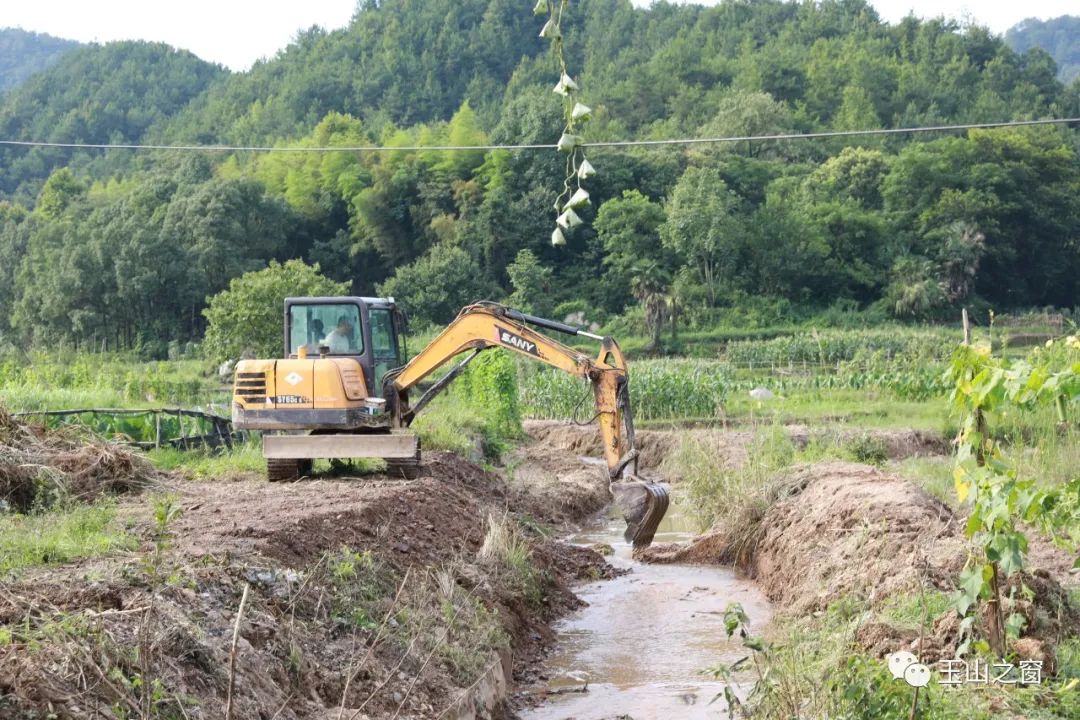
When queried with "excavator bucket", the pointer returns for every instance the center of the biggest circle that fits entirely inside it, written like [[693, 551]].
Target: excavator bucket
[[643, 504]]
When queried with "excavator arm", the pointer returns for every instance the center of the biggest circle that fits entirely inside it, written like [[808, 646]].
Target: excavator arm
[[487, 325]]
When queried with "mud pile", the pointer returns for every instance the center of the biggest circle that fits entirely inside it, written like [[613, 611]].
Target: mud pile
[[366, 597], [39, 466], [853, 529], [842, 529]]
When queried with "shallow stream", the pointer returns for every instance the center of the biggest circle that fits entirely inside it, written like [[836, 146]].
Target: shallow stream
[[647, 638]]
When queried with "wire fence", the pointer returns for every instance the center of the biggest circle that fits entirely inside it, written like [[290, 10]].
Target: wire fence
[[149, 428]]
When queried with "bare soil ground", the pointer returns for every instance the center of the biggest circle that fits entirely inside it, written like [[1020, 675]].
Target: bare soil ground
[[367, 597]]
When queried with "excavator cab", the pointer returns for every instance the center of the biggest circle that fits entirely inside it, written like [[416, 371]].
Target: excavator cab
[[371, 331]]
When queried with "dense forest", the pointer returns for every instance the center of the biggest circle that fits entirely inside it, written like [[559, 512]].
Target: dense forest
[[1059, 36], [126, 246], [24, 53]]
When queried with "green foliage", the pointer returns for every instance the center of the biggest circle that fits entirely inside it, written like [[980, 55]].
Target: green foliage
[[96, 94], [832, 346], [245, 458], [628, 226], [734, 499], [125, 248], [437, 285], [1059, 37], [532, 284], [489, 385], [361, 585], [65, 379], [479, 415], [664, 389], [247, 316], [24, 53], [60, 536], [1003, 500]]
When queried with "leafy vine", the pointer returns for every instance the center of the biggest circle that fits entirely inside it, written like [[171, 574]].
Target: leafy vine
[[1002, 499]]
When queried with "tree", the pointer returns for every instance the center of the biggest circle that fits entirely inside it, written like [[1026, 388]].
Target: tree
[[650, 287], [629, 230], [532, 284], [59, 192], [433, 288], [247, 316], [703, 228]]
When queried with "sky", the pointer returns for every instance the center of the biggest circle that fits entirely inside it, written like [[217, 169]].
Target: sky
[[236, 33]]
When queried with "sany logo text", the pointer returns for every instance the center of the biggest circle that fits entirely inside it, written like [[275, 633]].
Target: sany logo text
[[515, 341]]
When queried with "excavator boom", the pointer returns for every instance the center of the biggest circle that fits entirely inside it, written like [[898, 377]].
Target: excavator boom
[[485, 325]]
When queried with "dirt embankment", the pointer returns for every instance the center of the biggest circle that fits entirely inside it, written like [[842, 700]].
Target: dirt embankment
[[567, 441], [841, 529], [366, 597]]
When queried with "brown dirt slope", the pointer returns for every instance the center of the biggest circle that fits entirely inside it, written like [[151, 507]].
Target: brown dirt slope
[[845, 529], [325, 562]]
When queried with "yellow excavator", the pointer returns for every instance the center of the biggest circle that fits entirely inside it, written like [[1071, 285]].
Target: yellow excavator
[[342, 390]]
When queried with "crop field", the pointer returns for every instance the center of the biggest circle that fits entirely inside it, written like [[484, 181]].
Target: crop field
[[888, 376], [60, 381]]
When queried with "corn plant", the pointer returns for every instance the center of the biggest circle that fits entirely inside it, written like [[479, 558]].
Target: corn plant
[[659, 390], [833, 346]]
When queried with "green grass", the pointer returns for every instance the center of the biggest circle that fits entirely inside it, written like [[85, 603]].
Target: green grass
[[911, 611], [59, 381], [932, 474], [60, 536], [208, 465], [855, 408], [815, 670]]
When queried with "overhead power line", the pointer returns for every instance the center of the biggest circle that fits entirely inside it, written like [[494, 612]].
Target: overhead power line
[[545, 146]]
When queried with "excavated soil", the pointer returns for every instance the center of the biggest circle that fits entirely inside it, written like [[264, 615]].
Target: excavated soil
[[843, 529], [310, 553]]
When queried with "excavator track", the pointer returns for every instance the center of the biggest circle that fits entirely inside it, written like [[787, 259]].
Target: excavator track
[[404, 469], [287, 470]]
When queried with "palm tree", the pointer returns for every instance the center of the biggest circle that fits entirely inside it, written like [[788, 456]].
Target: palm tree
[[650, 286]]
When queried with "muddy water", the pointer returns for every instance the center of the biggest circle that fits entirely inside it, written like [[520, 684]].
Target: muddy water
[[646, 637]]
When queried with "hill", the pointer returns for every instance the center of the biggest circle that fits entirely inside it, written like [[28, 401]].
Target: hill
[[129, 245], [1060, 37], [24, 53], [95, 94]]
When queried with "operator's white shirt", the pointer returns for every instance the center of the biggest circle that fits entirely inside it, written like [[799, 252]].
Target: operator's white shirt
[[338, 342]]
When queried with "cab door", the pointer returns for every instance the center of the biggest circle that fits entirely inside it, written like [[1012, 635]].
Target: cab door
[[384, 343]]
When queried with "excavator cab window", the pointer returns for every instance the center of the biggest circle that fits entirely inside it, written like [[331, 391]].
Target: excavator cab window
[[334, 325], [384, 342]]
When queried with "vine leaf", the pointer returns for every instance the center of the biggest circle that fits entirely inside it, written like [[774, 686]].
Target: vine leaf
[[961, 483]]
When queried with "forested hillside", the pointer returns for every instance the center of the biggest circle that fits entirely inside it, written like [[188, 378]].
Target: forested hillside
[[1060, 37], [127, 246], [97, 94], [24, 53]]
